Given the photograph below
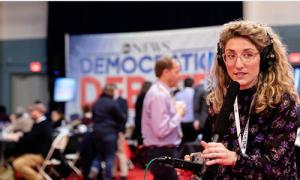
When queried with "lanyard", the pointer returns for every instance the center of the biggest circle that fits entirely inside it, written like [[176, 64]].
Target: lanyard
[[244, 139]]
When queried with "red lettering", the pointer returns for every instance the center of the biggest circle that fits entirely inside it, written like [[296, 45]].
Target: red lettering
[[198, 78], [115, 80], [131, 91], [85, 81]]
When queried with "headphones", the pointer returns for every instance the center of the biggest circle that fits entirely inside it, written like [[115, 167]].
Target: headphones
[[267, 57]]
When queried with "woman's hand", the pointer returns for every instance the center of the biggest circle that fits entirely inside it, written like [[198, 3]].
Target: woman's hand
[[216, 153]]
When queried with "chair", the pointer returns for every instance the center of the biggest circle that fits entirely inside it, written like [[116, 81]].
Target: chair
[[72, 153], [71, 160], [59, 143]]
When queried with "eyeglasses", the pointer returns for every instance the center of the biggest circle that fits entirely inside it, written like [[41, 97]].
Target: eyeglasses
[[230, 58]]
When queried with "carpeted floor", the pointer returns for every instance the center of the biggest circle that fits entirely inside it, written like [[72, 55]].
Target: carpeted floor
[[138, 174], [133, 174]]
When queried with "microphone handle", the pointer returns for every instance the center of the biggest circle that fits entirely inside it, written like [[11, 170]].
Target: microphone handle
[[181, 164], [215, 138], [187, 165]]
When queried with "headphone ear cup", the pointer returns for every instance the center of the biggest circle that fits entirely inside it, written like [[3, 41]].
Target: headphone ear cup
[[267, 58], [220, 58]]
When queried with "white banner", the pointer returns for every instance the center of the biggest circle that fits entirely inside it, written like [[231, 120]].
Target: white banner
[[127, 59]]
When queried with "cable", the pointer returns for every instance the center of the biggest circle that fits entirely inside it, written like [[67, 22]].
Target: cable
[[147, 166]]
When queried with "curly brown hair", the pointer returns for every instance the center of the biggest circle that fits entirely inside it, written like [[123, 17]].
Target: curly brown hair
[[272, 84]]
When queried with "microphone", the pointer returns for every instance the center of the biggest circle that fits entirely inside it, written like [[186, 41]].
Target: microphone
[[222, 118], [181, 164]]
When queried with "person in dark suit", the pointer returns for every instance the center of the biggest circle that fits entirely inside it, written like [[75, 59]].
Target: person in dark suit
[[200, 109], [107, 116], [34, 145], [137, 133]]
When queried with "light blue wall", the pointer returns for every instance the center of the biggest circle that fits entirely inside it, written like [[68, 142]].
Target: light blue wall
[[15, 57]]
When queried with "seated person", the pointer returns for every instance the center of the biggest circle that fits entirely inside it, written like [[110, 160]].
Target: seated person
[[33, 145], [57, 118], [20, 121], [87, 115]]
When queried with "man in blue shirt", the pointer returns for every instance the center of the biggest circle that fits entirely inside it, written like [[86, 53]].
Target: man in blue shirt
[[187, 96]]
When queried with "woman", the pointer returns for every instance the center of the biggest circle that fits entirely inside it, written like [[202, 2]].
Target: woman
[[103, 141], [253, 55]]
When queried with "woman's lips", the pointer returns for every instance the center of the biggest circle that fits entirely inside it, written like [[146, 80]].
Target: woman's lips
[[240, 74]]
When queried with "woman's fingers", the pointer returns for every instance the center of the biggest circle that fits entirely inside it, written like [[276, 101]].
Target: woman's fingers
[[187, 157], [213, 150], [203, 144], [213, 144], [217, 153], [213, 155], [214, 161]]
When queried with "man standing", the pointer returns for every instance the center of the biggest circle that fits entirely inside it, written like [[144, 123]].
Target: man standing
[[187, 96], [161, 118]]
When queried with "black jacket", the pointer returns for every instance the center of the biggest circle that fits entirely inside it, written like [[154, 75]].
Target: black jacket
[[38, 140], [124, 108], [107, 115], [137, 133]]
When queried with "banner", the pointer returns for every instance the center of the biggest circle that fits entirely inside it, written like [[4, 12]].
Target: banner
[[127, 59]]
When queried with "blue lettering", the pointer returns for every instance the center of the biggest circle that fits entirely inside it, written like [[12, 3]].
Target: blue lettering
[[175, 57], [157, 57], [127, 68], [199, 61], [186, 57], [99, 65], [211, 56], [142, 62], [113, 63], [86, 65]]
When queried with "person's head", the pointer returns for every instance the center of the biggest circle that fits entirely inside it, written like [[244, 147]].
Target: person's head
[[86, 109], [57, 115], [188, 82], [36, 111], [109, 90], [167, 70], [253, 55]]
